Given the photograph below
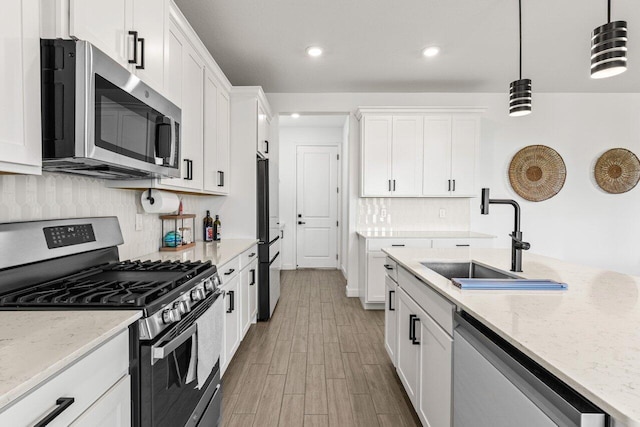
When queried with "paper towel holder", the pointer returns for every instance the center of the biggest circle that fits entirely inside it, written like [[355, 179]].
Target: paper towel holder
[[150, 198]]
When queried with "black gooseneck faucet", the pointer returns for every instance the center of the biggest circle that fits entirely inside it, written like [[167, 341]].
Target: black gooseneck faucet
[[517, 245]]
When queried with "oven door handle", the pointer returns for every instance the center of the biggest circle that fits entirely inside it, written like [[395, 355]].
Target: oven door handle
[[160, 352]]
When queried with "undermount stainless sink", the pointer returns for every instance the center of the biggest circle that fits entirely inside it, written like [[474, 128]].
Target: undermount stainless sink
[[467, 270]]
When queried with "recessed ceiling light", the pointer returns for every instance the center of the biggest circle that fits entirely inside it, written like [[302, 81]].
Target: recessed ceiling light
[[431, 51], [295, 116], [314, 51]]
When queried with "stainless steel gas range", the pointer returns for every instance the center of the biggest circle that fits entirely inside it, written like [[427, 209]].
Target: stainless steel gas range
[[73, 264]]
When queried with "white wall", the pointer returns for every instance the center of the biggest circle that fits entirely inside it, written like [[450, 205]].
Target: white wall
[[581, 224], [289, 139]]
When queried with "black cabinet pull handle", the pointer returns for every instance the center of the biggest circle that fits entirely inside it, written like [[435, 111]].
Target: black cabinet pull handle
[[463, 246], [253, 277], [454, 185], [63, 403], [220, 179], [398, 246], [266, 147], [230, 271], [394, 185], [301, 222], [388, 267], [141, 66], [135, 47], [231, 301], [282, 234], [252, 254], [189, 176], [412, 328], [389, 181], [449, 181], [391, 308]]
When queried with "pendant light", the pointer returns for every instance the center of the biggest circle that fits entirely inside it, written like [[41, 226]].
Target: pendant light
[[520, 90], [609, 48]]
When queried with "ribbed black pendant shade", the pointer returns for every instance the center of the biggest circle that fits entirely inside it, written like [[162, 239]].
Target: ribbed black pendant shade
[[520, 90], [520, 97], [609, 50]]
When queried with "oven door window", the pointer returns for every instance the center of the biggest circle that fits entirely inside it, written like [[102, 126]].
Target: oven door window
[[171, 397], [127, 126]]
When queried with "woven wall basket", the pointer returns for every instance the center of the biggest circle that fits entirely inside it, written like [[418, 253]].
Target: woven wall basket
[[617, 171], [537, 173]]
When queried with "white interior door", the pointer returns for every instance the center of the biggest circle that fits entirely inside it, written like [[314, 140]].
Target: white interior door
[[317, 206]]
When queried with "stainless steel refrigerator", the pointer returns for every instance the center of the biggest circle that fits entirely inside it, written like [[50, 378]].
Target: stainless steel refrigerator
[[268, 247]]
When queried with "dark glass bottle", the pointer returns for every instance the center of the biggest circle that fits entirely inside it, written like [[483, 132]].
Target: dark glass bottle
[[208, 228], [217, 229]]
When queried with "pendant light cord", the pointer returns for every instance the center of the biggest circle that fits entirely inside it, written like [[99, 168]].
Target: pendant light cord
[[520, 31], [609, 11]]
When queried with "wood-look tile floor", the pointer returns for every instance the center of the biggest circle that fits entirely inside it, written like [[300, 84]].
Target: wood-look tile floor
[[319, 361]]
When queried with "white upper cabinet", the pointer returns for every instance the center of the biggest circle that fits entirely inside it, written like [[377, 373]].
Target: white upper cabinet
[[216, 136], [263, 131], [376, 155], [105, 24], [20, 137], [149, 21], [419, 152], [406, 156], [173, 64]]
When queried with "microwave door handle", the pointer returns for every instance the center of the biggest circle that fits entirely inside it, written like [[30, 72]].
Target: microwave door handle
[[161, 352], [172, 157]]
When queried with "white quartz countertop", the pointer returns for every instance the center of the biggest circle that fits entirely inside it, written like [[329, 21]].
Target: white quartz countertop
[[34, 345], [588, 336], [219, 253], [400, 234]]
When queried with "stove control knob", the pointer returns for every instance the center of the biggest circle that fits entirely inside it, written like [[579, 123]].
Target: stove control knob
[[181, 307], [208, 285], [197, 294], [168, 316]]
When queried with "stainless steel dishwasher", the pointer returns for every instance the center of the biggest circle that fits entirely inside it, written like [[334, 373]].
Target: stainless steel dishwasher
[[495, 385]]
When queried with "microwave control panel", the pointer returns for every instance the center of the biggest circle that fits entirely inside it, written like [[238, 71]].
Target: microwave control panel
[[68, 235]]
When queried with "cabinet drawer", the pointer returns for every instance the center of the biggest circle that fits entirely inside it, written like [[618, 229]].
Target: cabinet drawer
[[85, 381], [461, 243], [248, 256], [392, 268], [229, 270], [113, 409], [436, 306], [378, 244]]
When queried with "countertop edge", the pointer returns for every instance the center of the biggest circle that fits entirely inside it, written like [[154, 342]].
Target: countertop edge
[[604, 405], [250, 243], [426, 235], [24, 388]]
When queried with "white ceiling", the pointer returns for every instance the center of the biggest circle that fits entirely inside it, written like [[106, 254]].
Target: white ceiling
[[322, 121], [375, 45]]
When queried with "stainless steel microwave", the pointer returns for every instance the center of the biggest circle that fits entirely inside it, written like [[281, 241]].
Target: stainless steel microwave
[[99, 119]]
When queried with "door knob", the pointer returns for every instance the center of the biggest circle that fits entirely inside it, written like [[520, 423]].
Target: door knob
[[301, 222]]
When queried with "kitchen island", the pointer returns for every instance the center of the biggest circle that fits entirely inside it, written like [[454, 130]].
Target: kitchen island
[[588, 336]]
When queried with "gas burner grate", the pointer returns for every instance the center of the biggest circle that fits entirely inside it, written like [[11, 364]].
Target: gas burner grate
[[121, 284]]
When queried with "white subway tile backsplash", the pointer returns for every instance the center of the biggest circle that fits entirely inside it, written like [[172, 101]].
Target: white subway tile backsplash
[[413, 214], [53, 196]]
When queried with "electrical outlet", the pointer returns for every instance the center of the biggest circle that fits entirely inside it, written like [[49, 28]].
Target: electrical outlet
[[383, 213], [443, 213], [139, 218]]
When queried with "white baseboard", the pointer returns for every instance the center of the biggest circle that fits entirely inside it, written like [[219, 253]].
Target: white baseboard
[[287, 267], [351, 292], [344, 272]]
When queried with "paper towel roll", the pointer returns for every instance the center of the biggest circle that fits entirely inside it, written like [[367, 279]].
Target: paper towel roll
[[163, 202]]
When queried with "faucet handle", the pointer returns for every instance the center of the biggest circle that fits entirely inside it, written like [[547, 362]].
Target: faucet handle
[[525, 246]]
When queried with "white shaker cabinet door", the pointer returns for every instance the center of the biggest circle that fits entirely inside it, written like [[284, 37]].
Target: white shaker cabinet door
[[464, 152], [406, 156], [376, 155], [390, 319], [437, 155], [231, 321], [253, 289], [20, 137], [105, 25], [150, 20], [375, 276], [408, 357], [245, 288], [223, 159], [173, 64], [436, 353], [113, 409], [210, 132]]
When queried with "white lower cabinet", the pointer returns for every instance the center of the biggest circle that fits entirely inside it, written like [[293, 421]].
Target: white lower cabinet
[[98, 383], [113, 409], [424, 353], [390, 318], [231, 321], [436, 353], [375, 276], [408, 362]]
